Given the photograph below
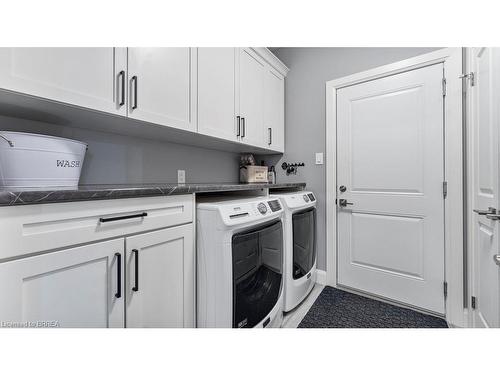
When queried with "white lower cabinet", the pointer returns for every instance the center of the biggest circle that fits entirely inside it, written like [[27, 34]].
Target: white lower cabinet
[[78, 287], [160, 289], [131, 280]]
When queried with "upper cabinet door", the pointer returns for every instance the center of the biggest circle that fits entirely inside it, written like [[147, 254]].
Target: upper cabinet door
[[251, 97], [274, 110], [160, 279], [75, 288], [217, 92], [86, 77], [162, 86]]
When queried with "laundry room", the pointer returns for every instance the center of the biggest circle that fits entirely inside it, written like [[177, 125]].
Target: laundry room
[[279, 180]]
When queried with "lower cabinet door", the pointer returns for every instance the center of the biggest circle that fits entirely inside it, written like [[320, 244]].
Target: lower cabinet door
[[77, 287], [160, 269]]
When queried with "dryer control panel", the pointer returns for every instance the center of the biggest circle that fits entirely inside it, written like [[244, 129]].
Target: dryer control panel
[[300, 199]]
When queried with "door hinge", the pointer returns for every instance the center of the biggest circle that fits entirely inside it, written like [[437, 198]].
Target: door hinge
[[445, 289], [444, 86], [470, 76], [473, 302], [445, 189]]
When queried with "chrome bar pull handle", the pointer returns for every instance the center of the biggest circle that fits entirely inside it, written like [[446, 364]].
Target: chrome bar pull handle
[[494, 216], [496, 259], [489, 211]]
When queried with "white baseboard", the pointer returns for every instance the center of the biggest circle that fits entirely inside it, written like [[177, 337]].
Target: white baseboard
[[321, 277]]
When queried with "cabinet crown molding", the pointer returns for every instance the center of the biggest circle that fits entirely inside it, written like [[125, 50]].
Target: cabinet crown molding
[[271, 59]]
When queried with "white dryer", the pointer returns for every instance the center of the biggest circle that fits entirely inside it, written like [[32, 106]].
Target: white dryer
[[239, 262], [299, 220]]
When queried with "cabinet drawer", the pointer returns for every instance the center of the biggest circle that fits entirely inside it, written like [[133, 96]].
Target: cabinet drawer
[[36, 228]]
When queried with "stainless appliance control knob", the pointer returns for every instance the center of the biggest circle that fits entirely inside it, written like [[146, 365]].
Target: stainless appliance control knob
[[306, 198], [262, 208]]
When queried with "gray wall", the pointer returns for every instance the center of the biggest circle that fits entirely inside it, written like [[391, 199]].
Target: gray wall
[[305, 133], [117, 159]]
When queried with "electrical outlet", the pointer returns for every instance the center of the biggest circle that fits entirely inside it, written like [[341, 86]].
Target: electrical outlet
[[181, 176], [319, 158]]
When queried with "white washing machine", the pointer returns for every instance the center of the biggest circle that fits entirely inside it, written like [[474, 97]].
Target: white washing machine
[[239, 262], [299, 220]]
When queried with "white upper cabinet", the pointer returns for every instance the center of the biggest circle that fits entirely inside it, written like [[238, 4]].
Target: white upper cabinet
[[217, 92], [251, 97], [274, 110], [86, 77], [162, 86], [73, 288], [232, 94], [160, 279]]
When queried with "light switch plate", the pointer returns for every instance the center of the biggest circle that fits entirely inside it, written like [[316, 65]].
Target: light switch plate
[[319, 158], [181, 176]]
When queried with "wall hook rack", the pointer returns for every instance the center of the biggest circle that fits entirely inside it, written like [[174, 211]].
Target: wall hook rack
[[291, 167]]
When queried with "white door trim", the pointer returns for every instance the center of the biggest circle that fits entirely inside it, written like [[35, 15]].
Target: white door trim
[[452, 59]]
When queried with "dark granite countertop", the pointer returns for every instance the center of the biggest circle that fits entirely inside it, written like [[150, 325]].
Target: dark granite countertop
[[11, 197]]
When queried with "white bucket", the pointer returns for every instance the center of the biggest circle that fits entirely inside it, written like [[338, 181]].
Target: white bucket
[[34, 160]]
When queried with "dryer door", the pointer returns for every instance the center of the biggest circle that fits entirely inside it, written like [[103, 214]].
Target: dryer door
[[304, 242], [257, 273]]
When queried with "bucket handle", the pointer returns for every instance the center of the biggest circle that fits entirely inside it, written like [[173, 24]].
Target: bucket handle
[[11, 144]]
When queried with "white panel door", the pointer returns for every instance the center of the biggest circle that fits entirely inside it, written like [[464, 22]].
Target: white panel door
[[390, 161], [162, 86], [86, 77], [160, 279], [251, 97], [485, 99], [274, 110], [78, 287], [217, 92]]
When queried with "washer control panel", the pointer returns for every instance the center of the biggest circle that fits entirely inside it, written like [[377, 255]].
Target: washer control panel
[[274, 205]]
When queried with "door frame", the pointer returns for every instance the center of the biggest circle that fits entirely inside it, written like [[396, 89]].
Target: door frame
[[470, 178], [456, 313]]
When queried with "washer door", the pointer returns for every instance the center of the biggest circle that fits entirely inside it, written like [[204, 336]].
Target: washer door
[[304, 242], [257, 273]]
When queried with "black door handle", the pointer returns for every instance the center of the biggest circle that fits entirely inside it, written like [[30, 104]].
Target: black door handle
[[108, 219], [118, 293], [122, 76], [243, 128], [134, 81], [136, 255]]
